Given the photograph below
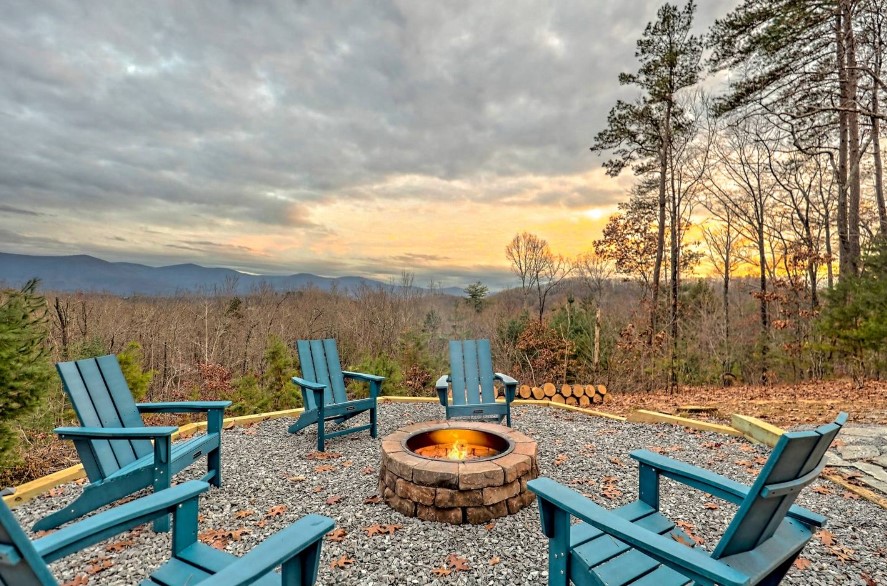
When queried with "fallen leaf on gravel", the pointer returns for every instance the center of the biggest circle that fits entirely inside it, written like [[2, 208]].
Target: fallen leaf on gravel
[[441, 571], [317, 489], [347, 464], [616, 461], [261, 523], [57, 491], [368, 470], [324, 468], [821, 489], [710, 506], [81, 481], [341, 563], [560, 459], [611, 492], [826, 537], [337, 535], [377, 529], [681, 539], [495, 560], [119, 545], [489, 526], [298, 478], [79, 580], [44, 533], [458, 563], [745, 448], [276, 511], [850, 496], [323, 455], [242, 514], [372, 500], [334, 499], [98, 565], [868, 580], [802, 563]]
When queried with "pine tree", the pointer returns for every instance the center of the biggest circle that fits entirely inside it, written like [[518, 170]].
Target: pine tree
[[25, 372]]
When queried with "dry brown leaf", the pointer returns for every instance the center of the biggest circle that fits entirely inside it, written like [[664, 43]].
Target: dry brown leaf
[[560, 459], [317, 489], [242, 514], [276, 511], [372, 500], [489, 526], [337, 535], [441, 571], [616, 461], [368, 470], [377, 529], [495, 560], [341, 563], [323, 455], [57, 491], [458, 563], [867, 580], [334, 499], [118, 546], [298, 478], [324, 468], [98, 565], [78, 580], [826, 537], [710, 506], [801, 564], [821, 489]]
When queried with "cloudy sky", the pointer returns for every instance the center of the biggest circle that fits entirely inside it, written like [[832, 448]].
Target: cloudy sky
[[339, 138]]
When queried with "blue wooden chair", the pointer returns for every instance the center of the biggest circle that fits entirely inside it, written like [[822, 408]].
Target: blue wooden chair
[[471, 377], [636, 544], [323, 391], [115, 446], [297, 548]]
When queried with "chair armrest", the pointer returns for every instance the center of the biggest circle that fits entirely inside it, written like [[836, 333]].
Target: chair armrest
[[182, 407], [372, 378], [688, 561], [714, 484], [123, 433], [273, 552], [506, 380], [443, 383], [307, 384], [115, 521]]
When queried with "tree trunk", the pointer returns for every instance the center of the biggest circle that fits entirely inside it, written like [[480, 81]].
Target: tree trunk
[[765, 317], [843, 236], [660, 232], [853, 151], [675, 288], [728, 243]]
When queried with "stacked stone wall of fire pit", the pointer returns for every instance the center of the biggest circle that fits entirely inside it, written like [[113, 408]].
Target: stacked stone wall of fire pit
[[457, 492]]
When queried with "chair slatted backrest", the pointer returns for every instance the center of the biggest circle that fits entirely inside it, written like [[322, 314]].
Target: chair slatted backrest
[[319, 361], [471, 372], [20, 564], [101, 398], [796, 461]]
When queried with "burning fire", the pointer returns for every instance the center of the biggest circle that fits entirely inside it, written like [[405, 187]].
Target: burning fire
[[458, 451]]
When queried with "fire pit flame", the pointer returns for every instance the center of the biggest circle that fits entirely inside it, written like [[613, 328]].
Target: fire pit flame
[[458, 451]]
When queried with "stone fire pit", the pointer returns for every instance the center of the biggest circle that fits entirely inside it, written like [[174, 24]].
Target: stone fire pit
[[418, 476]]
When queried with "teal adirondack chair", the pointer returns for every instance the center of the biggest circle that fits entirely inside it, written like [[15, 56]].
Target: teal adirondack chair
[[471, 377], [297, 548], [636, 544], [323, 391], [115, 446]]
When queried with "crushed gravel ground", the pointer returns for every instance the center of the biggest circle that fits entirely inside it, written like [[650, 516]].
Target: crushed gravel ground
[[265, 467]]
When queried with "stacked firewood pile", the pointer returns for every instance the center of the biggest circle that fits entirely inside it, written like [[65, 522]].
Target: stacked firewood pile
[[576, 395]]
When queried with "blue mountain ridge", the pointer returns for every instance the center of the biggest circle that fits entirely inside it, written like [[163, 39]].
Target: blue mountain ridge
[[82, 272]]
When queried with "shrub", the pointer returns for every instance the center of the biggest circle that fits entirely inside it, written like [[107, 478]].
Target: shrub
[[25, 372]]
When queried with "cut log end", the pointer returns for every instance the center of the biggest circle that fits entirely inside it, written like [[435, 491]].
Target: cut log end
[[537, 393], [558, 399], [566, 390], [549, 389], [525, 392]]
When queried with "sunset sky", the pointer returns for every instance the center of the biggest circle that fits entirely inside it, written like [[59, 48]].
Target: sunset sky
[[359, 138]]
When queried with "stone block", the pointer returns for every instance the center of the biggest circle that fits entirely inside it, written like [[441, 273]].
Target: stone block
[[446, 497], [496, 494], [477, 515], [479, 475], [514, 465], [451, 516], [414, 492], [436, 473], [401, 463], [520, 501], [403, 506]]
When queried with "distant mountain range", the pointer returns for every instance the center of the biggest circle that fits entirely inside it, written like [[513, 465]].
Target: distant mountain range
[[87, 273]]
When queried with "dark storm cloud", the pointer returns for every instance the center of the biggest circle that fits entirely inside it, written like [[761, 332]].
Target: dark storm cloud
[[182, 113]]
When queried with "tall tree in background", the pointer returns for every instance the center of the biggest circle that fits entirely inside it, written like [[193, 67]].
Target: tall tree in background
[[538, 268], [25, 373], [800, 68], [641, 134]]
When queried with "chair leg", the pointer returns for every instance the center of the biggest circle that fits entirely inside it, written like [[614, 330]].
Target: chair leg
[[214, 457], [162, 477], [373, 423], [302, 569], [779, 573], [305, 419], [320, 431]]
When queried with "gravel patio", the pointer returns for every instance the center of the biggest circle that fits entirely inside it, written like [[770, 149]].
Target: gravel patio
[[270, 482]]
